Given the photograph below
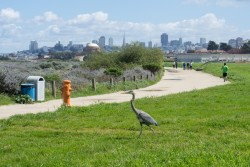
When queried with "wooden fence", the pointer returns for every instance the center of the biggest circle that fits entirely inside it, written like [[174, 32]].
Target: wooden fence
[[111, 82]]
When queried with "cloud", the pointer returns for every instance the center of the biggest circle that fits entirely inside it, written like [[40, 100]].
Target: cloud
[[54, 29], [207, 22], [93, 18], [10, 30], [8, 15], [46, 17]]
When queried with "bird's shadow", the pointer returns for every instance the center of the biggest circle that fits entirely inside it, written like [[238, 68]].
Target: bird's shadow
[[123, 138]]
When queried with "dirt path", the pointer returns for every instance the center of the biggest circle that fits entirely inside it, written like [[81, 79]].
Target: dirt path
[[173, 81]]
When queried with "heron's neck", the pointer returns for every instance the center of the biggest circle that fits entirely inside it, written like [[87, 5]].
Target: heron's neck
[[132, 104]]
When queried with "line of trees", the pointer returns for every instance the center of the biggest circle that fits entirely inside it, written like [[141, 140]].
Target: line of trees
[[228, 48]]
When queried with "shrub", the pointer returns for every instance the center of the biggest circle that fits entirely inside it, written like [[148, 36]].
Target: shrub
[[23, 99], [132, 54], [113, 71], [152, 67], [45, 65], [10, 82]]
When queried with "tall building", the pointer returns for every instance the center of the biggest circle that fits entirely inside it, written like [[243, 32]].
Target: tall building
[[164, 40], [202, 41], [123, 42], [111, 42], [232, 43], [70, 44], [150, 44], [239, 42], [94, 41], [33, 46], [102, 41], [180, 41]]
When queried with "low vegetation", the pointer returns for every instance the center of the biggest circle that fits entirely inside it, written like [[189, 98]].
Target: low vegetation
[[207, 127], [127, 63]]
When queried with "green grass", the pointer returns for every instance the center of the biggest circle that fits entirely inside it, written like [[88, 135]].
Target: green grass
[[5, 99], [208, 127]]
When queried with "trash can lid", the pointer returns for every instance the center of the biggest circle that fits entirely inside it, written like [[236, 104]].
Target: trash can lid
[[27, 84]]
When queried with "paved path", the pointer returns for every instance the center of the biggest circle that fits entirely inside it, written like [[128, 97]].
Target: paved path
[[173, 81]]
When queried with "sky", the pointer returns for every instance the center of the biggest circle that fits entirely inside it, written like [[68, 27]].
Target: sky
[[80, 21]]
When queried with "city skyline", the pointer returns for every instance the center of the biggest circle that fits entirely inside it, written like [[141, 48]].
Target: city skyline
[[81, 22]]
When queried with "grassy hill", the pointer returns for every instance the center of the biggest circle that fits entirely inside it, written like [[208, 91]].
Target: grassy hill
[[208, 127]]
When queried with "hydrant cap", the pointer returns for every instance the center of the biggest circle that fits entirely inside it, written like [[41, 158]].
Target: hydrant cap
[[66, 81]]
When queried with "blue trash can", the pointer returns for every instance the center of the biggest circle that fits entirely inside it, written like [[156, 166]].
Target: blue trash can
[[28, 89]]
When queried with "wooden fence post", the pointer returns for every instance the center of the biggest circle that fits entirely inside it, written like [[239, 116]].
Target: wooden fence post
[[94, 84], [147, 77], [124, 79], [54, 89], [134, 78], [111, 81]]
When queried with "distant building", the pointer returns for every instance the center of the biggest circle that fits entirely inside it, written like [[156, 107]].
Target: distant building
[[150, 44], [102, 42], [111, 42], [180, 41], [239, 42], [69, 44], [232, 43], [123, 41], [95, 41], [164, 40], [91, 48], [202, 41], [33, 46], [76, 47], [175, 43], [58, 46]]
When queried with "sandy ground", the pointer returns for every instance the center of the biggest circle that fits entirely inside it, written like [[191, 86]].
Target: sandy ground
[[173, 81]]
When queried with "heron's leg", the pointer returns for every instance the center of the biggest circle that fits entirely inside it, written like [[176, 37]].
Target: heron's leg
[[140, 130], [152, 129]]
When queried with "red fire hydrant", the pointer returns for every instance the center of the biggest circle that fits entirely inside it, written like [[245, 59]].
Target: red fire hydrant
[[66, 89]]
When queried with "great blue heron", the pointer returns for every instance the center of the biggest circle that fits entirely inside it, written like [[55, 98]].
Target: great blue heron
[[142, 116]]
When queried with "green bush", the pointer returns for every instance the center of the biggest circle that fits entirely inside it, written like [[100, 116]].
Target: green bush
[[100, 60], [113, 71], [152, 67], [45, 65], [128, 57], [132, 54], [23, 99]]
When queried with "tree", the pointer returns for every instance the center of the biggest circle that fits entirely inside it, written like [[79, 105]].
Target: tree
[[212, 46], [132, 54], [225, 46], [246, 47]]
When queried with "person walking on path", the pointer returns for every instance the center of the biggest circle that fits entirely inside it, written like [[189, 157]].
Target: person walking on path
[[191, 65], [176, 64], [224, 69], [184, 66]]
